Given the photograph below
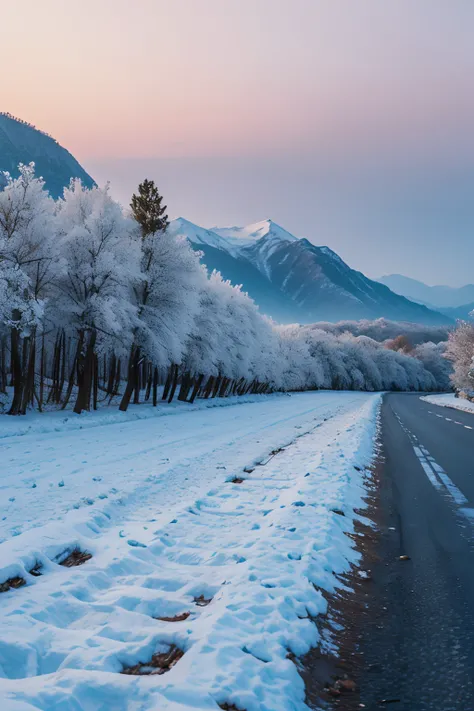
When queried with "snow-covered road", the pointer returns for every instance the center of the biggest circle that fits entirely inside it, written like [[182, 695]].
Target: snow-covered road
[[152, 500]]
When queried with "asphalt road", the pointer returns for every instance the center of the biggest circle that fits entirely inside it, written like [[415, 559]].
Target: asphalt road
[[418, 646]]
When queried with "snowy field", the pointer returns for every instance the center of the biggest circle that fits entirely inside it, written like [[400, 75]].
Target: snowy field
[[448, 400], [152, 499]]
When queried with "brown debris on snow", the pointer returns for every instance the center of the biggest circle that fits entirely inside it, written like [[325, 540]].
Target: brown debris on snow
[[177, 618], [237, 480], [76, 557], [36, 570], [160, 663], [12, 584], [201, 601]]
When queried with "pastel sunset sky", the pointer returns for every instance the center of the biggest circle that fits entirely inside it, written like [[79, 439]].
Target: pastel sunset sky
[[350, 122]]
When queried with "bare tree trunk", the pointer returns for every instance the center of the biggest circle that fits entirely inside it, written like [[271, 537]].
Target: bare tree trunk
[[174, 383], [111, 378], [223, 387], [29, 358], [155, 386], [116, 383], [3, 365], [250, 387], [16, 370], [132, 376], [197, 386], [62, 377], [208, 388], [137, 378], [54, 369], [85, 375], [117, 378], [41, 385], [185, 385], [95, 380], [217, 385], [169, 378], [149, 381], [80, 344]]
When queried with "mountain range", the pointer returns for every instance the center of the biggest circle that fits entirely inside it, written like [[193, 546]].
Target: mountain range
[[290, 278], [434, 296], [20, 142], [293, 280], [454, 302]]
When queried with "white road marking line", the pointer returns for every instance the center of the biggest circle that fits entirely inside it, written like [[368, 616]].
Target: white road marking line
[[467, 427], [438, 477], [441, 416], [457, 423], [456, 493], [448, 419], [426, 467]]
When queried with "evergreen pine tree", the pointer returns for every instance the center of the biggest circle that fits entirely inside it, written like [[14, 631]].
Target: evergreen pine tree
[[148, 210]]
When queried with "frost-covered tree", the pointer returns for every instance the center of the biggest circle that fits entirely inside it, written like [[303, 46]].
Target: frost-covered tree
[[460, 351], [166, 297], [85, 289], [433, 358], [299, 368], [100, 260], [27, 261]]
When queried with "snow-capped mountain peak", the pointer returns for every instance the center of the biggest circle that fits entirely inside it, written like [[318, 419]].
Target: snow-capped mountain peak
[[195, 234], [244, 236], [294, 280]]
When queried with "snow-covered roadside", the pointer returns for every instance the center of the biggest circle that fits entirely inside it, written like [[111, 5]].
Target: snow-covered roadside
[[257, 548], [66, 420], [449, 400]]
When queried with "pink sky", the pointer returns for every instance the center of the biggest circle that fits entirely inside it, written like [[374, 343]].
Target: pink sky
[[348, 121], [239, 77]]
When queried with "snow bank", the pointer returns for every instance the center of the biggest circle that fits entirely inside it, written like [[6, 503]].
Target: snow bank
[[260, 551], [66, 420], [449, 400]]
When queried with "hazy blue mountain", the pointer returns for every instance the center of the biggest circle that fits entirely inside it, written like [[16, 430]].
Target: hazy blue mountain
[[435, 296], [22, 143], [459, 312], [291, 279]]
